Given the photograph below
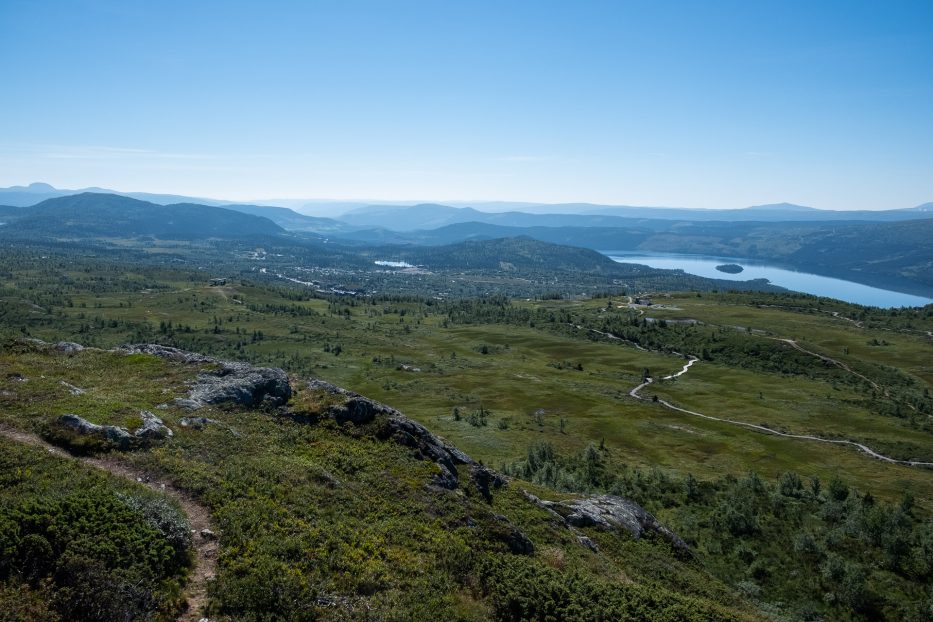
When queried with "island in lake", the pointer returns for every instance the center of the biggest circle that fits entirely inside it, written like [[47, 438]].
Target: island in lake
[[731, 268]]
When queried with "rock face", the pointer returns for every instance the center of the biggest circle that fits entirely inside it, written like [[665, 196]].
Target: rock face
[[231, 382], [485, 480], [609, 512], [360, 410]]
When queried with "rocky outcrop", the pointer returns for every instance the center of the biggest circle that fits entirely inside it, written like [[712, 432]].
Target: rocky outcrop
[[359, 410], [165, 352], [230, 382], [152, 429], [240, 384], [609, 513], [113, 435], [485, 480], [68, 347]]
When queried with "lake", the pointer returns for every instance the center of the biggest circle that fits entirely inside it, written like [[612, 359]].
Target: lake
[[702, 265]]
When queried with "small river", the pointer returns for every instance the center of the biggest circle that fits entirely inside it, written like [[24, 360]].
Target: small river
[[702, 265]]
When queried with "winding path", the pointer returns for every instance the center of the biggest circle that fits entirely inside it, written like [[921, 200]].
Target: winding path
[[760, 428], [611, 336], [831, 361], [199, 517]]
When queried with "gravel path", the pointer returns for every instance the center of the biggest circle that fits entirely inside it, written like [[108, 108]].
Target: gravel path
[[760, 428]]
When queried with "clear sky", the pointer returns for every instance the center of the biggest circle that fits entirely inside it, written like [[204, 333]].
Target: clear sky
[[697, 104]]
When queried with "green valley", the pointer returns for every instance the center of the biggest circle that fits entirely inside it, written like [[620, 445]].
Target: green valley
[[536, 387]]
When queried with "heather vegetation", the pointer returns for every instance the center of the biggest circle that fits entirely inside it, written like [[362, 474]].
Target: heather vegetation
[[325, 520]]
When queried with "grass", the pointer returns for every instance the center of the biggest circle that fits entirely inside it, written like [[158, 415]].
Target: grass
[[528, 370], [313, 514]]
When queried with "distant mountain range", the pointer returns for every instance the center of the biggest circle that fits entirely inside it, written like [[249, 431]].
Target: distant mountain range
[[431, 216], [91, 214], [893, 251], [401, 217]]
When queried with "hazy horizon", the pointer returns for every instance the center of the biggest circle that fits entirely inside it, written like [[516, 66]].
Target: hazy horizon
[[616, 103], [309, 202]]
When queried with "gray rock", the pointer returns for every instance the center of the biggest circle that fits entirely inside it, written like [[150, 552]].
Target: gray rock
[[68, 347], [195, 422], [610, 513], [72, 388], [187, 403], [173, 354], [207, 534], [117, 436], [152, 428], [588, 543], [243, 385], [231, 382]]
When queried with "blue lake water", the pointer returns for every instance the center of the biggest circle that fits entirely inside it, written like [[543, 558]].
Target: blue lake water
[[815, 284]]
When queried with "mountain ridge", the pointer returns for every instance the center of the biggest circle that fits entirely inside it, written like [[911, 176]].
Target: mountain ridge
[[109, 215]]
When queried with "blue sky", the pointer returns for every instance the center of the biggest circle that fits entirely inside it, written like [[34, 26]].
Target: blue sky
[[697, 104]]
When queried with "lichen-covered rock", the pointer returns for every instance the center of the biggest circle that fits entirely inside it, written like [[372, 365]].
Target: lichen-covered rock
[[115, 435], [231, 382], [173, 354], [609, 512], [359, 410], [241, 384], [152, 428], [354, 408]]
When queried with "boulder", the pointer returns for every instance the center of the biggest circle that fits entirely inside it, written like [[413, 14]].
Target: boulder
[[117, 436], [231, 382], [152, 428], [609, 512], [195, 422], [120, 438], [71, 388], [241, 384]]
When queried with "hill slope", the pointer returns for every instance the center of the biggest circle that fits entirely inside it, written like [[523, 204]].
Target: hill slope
[[108, 215], [331, 507]]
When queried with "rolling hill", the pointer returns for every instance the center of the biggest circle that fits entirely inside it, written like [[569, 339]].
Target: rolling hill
[[108, 215]]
